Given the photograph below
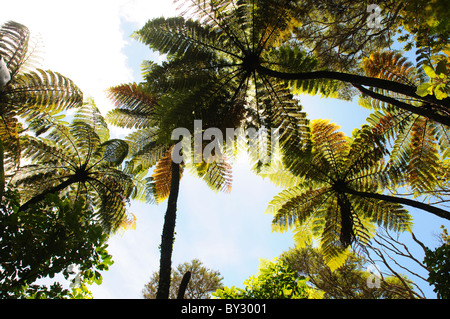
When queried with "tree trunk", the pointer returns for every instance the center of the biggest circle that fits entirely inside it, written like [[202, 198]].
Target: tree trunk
[[2, 173], [165, 265], [183, 285], [404, 201]]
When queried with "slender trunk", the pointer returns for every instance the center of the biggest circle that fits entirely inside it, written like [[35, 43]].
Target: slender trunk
[[40, 197], [404, 201], [183, 285], [359, 80], [2, 173], [165, 266]]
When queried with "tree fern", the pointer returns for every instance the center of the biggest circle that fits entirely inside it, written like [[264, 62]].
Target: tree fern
[[322, 198], [139, 110], [223, 46], [77, 160]]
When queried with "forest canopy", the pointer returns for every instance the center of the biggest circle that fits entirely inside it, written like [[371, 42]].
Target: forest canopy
[[66, 184]]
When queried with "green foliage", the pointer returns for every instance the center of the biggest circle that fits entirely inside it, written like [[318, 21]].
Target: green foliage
[[350, 281], [202, 282], [427, 23], [275, 280], [30, 93], [437, 69], [438, 264], [49, 238], [218, 58], [337, 32]]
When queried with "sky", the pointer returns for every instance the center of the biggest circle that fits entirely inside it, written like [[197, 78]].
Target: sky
[[89, 42]]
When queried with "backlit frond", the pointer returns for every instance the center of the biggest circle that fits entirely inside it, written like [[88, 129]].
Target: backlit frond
[[160, 181], [333, 192], [14, 38], [38, 91], [391, 65], [134, 106], [417, 142], [74, 161], [217, 175]]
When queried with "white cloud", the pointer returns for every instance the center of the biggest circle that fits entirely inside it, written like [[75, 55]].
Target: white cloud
[[140, 11], [83, 39]]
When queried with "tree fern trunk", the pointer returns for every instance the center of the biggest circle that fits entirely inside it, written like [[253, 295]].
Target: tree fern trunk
[[359, 80], [165, 265], [2, 173], [183, 285], [404, 201]]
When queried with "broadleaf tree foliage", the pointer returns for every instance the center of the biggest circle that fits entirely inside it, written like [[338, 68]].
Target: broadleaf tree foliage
[[203, 281]]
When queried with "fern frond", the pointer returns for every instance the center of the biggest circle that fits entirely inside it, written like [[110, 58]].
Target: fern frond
[[42, 91], [333, 252], [388, 215], [144, 147], [134, 106], [293, 206], [306, 233], [278, 174], [391, 65], [113, 152], [9, 137], [177, 36], [217, 175], [158, 185], [39, 151], [14, 38], [442, 135], [330, 147], [424, 158], [72, 160], [91, 115]]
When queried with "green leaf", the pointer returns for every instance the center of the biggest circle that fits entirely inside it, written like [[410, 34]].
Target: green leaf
[[429, 71], [424, 89], [439, 92], [441, 68]]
